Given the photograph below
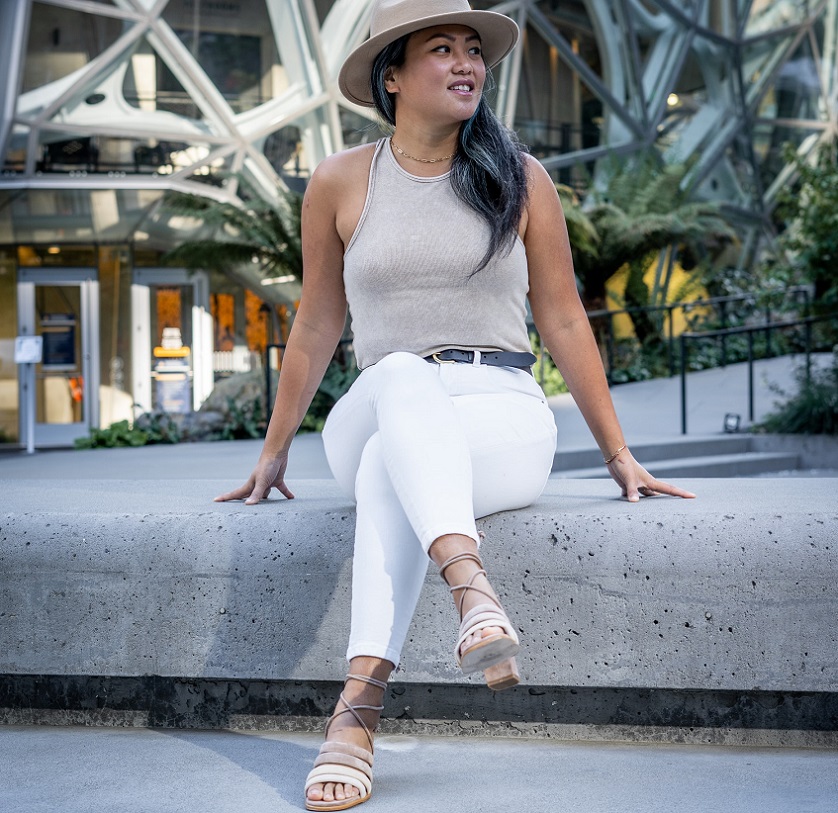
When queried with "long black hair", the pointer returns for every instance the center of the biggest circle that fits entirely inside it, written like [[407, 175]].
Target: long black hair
[[487, 173]]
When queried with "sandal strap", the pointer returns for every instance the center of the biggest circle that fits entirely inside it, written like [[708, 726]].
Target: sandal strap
[[479, 618], [460, 557], [349, 708], [335, 758], [483, 616], [341, 774], [337, 747], [382, 684]]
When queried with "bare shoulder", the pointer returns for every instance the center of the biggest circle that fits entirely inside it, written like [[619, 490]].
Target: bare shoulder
[[339, 187], [345, 169], [539, 181]]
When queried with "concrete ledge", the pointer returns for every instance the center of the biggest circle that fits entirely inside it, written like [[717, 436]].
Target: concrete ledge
[[734, 592]]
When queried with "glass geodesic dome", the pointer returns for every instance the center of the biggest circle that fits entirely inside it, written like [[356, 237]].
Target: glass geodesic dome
[[106, 104]]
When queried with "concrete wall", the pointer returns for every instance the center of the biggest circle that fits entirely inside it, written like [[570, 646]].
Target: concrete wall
[[737, 590]]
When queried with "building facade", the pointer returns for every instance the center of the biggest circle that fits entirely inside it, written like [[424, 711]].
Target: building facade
[[107, 104]]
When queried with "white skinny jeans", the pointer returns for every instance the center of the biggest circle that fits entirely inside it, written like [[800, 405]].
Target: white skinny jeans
[[423, 449]]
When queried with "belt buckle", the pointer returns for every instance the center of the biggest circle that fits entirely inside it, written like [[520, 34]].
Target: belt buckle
[[438, 360]]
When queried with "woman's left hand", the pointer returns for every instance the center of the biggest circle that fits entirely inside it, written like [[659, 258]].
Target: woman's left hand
[[635, 482]]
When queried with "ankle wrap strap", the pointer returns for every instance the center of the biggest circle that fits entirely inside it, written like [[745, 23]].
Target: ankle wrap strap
[[460, 557], [469, 585], [382, 684]]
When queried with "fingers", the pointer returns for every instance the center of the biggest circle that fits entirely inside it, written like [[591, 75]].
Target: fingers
[[253, 493], [236, 494], [655, 488]]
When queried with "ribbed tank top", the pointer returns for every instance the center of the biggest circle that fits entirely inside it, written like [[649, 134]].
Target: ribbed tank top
[[408, 271]]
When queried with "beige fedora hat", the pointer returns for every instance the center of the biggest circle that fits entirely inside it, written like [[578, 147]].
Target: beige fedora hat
[[392, 19]]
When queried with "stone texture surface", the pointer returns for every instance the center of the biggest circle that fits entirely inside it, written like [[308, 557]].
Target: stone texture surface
[[737, 590]]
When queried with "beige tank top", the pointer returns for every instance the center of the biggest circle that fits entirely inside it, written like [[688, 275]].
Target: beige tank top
[[408, 271]]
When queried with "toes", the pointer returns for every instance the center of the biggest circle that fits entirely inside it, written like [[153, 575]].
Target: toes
[[331, 792], [316, 793]]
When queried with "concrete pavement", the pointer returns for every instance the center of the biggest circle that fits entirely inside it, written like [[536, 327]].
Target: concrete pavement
[[649, 412], [134, 770], [83, 770]]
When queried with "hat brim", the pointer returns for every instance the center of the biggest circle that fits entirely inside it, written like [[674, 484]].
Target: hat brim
[[498, 36]]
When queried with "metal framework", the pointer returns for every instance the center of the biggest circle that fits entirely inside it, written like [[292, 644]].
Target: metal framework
[[723, 83]]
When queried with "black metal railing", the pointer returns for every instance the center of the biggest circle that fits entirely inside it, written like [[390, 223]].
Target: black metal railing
[[750, 331], [602, 321]]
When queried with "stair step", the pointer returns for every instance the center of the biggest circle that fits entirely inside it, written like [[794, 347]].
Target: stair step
[[672, 450], [723, 465]]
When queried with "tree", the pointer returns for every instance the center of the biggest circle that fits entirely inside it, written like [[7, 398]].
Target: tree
[[809, 246], [642, 211]]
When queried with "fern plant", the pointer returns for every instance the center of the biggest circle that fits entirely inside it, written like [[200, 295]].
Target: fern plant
[[642, 211], [260, 232]]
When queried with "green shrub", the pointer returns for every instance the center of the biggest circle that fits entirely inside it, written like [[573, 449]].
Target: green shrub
[[813, 410], [243, 420], [545, 371], [117, 434]]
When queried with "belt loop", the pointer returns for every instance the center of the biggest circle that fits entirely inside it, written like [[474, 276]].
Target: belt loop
[[476, 361]]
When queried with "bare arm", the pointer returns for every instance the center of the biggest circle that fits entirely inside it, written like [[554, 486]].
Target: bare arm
[[317, 329], [563, 325]]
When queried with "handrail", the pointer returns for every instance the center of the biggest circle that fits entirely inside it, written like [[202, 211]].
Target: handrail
[[804, 291], [750, 330]]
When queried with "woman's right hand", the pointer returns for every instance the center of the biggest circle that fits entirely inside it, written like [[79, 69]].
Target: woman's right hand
[[269, 473]]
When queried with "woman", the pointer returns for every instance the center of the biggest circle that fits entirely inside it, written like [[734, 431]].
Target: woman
[[434, 237]]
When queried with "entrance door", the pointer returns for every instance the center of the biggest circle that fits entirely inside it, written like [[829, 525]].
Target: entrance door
[[61, 306]]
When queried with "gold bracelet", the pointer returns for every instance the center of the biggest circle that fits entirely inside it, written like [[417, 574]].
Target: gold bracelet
[[608, 460]]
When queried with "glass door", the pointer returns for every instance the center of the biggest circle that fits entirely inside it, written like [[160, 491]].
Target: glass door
[[60, 305]]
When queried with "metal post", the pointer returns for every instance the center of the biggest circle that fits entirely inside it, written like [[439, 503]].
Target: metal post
[[723, 312], [683, 341], [669, 354], [808, 346], [609, 347], [750, 376], [768, 331], [268, 409]]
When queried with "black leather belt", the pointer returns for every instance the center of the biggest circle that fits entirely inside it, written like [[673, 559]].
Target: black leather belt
[[498, 358]]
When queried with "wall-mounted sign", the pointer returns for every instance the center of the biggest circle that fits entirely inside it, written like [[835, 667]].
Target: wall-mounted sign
[[28, 349], [59, 334]]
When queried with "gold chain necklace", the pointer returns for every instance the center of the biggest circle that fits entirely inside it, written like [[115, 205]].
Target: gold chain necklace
[[400, 151]]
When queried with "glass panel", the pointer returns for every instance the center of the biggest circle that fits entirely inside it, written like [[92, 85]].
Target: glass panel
[[571, 20], [357, 129], [62, 41], [171, 337], [14, 161], [54, 217], [150, 85], [769, 15], [760, 58], [234, 45], [7, 234], [8, 369], [295, 150], [212, 173], [556, 111], [56, 256], [797, 90], [59, 386], [115, 402], [103, 154], [769, 140]]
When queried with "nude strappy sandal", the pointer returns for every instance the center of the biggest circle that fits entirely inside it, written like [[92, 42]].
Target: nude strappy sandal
[[343, 763], [494, 654]]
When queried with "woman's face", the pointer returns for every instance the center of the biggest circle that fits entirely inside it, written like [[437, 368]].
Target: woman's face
[[443, 73]]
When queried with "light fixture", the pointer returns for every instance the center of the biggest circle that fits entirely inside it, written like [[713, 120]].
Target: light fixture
[[278, 280], [731, 423], [53, 250], [673, 99]]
